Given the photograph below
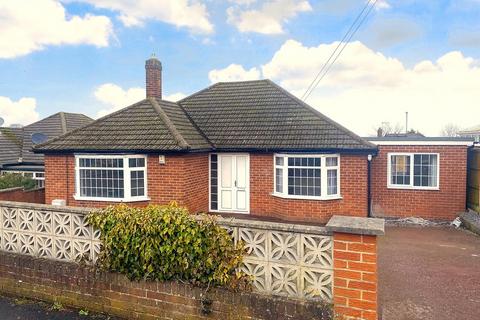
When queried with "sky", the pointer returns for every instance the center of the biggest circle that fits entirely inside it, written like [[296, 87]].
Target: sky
[[88, 56]]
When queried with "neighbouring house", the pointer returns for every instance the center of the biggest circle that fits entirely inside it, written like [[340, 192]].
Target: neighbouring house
[[419, 176], [16, 155], [248, 148], [473, 132]]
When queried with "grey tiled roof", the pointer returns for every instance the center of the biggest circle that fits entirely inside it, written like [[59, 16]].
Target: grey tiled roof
[[10, 145], [250, 115], [145, 126], [261, 115], [16, 143]]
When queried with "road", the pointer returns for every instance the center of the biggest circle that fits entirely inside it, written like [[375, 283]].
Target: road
[[19, 309]]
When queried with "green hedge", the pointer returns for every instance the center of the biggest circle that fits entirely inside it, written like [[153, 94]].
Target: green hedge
[[166, 243], [13, 180]]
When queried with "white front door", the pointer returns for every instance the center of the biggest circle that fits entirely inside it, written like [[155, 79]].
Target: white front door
[[233, 182]]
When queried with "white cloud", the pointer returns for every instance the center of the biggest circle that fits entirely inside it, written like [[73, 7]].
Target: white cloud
[[28, 26], [115, 97], [174, 96], [21, 112], [365, 87], [233, 72], [190, 14], [269, 17], [381, 4]]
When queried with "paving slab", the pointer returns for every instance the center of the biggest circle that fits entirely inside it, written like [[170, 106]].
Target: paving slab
[[429, 273]]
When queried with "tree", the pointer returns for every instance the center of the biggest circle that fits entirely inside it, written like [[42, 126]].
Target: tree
[[386, 128], [450, 130]]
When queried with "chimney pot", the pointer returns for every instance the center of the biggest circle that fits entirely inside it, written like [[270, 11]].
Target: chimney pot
[[153, 74]]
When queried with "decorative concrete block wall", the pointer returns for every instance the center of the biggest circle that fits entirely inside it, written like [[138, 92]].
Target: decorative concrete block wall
[[336, 263]]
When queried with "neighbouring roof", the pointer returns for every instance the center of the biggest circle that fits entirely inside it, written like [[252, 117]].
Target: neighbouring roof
[[228, 116], [471, 130], [417, 140], [16, 143]]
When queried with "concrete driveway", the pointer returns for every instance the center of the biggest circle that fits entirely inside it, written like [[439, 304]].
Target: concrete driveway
[[429, 273]]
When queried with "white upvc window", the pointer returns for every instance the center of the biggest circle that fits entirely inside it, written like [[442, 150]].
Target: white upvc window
[[117, 178], [413, 171], [307, 176]]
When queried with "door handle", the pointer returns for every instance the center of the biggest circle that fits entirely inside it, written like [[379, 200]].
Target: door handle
[[235, 183]]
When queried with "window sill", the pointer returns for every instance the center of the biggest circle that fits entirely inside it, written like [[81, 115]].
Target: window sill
[[284, 196], [123, 200], [414, 188]]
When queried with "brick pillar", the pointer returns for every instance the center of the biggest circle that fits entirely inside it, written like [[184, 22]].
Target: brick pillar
[[355, 276], [355, 282]]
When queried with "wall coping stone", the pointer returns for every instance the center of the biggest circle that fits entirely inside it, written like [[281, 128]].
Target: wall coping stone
[[11, 189], [234, 222], [357, 225], [45, 207]]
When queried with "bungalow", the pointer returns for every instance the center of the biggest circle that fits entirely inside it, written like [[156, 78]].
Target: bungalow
[[16, 144], [235, 147]]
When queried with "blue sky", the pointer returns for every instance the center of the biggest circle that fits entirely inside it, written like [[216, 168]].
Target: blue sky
[[60, 66]]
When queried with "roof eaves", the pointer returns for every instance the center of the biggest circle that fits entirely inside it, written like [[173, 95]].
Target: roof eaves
[[182, 143]]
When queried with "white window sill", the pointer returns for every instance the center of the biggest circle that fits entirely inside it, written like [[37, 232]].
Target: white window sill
[[124, 200], [293, 197], [413, 188]]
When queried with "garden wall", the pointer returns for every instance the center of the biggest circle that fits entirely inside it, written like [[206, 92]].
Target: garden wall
[[77, 286], [291, 264], [20, 195]]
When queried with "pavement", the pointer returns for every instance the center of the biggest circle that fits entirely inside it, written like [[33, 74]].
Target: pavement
[[429, 273], [21, 309]]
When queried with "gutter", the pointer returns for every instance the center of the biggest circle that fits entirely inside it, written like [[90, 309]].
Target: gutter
[[369, 186]]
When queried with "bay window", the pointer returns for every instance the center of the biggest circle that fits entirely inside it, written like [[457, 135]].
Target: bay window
[[111, 178], [307, 176], [413, 170]]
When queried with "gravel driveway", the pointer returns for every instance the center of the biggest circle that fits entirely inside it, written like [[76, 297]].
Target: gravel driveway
[[429, 273]]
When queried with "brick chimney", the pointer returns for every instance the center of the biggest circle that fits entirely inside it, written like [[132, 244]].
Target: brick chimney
[[153, 73]]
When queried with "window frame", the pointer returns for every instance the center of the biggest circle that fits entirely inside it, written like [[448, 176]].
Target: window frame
[[126, 178], [411, 186], [323, 176]]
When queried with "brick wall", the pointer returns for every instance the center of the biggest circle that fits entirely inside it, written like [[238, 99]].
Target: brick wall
[[353, 189], [183, 178], [442, 204], [21, 195], [81, 287], [355, 282]]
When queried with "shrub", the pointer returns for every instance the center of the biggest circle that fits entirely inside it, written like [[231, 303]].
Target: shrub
[[13, 180], [166, 243]]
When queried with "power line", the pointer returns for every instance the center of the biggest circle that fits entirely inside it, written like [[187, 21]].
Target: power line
[[368, 7]]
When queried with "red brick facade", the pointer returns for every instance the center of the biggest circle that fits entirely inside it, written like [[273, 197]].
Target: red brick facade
[[353, 189], [185, 179], [442, 204]]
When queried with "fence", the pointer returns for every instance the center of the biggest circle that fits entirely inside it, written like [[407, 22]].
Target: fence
[[473, 179]]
